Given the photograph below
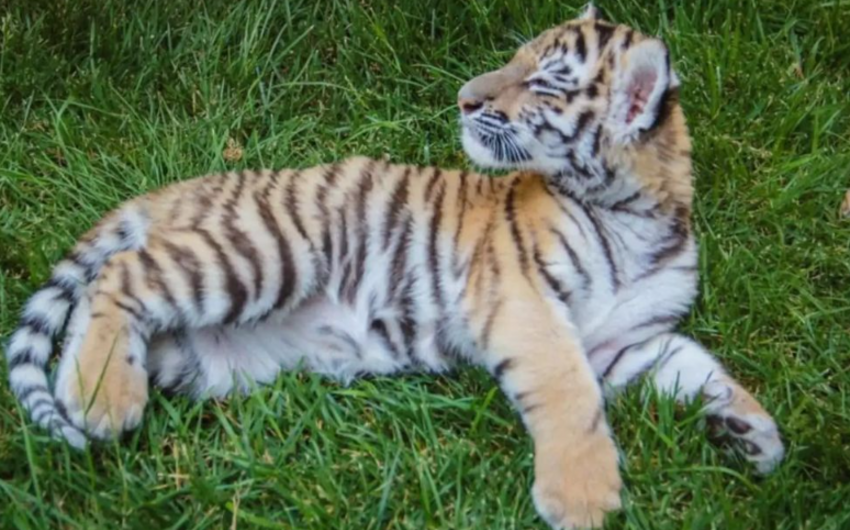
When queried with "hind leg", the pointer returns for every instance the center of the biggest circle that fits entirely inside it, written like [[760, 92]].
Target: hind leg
[[680, 366], [178, 283]]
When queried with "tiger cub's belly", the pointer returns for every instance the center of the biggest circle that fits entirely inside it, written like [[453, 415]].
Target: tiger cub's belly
[[322, 336]]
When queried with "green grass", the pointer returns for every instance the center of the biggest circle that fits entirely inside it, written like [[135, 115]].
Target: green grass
[[102, 100]]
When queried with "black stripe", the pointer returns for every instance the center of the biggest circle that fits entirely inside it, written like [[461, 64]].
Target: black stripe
[[503, 366], [66, 292], [408, 320], [291, 209], [577, 167], [604, 32], [38, 418], [343, 228], [23, 357], [289, 274], [659, 320], [398, 269], [433, 251], [344, 260], [239, 239], [203, 205], [627, 38], [581, 123], [493, 262], [39, 403], [429, 188], [668, 354], [516, 236], [88, 270], [614, 361], [236, 291], [127, 292], [529, 409], [674, 243], [190, 266], [398, 200], [329, 177], [127, 308], [561, 292], [153, 277], [364, 187], [331, 174], [343, 336], [461, 198], [487, 330], [123, 232], [379, 327], [622, 203], [63, 420], [597, 137], [574, 258], [606, 247], [566, 211], [26, 392], [37, 324], [291, 205], [581, 47]]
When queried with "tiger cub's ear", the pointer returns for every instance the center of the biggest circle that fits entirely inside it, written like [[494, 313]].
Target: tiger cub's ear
[[641, 84], [589, 13]]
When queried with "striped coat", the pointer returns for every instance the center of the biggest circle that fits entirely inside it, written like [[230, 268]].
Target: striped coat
[[564, 278]]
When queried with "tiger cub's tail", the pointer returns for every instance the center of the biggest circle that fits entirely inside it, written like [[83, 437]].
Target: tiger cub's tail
[[46, 313]]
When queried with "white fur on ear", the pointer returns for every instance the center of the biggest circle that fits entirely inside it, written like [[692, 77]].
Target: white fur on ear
[[643, 78], [674, 79], [590, 12]]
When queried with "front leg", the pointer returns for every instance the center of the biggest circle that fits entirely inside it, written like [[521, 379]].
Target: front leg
[[541, 367]]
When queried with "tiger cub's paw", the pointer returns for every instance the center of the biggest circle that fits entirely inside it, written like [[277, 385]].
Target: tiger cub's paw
[[576, 485], [106, 392], [737, 420]]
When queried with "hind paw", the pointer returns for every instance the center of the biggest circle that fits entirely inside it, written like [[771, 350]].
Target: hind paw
[[105, 411], [106, 392]]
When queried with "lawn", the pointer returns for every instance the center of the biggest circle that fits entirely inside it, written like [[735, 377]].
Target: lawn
[[103, 100]]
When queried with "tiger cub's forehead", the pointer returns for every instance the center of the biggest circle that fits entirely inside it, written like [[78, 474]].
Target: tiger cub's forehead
[[582, 40]]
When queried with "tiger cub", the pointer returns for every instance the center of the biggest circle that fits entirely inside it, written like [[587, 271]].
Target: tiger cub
[[564, 277]]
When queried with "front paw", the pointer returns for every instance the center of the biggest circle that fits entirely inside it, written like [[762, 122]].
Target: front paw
[[577, 483]]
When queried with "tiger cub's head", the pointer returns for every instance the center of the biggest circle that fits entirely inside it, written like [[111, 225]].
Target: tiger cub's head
[[591, 105]]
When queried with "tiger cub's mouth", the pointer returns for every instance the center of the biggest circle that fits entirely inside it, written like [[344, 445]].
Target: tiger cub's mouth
[[491, 141]]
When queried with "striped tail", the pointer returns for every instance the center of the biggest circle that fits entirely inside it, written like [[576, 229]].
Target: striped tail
[[46, 313]]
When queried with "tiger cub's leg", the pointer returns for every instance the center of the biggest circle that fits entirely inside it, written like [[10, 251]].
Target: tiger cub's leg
[[541, 367], [102, 381], [180, 282], [680, 366]]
